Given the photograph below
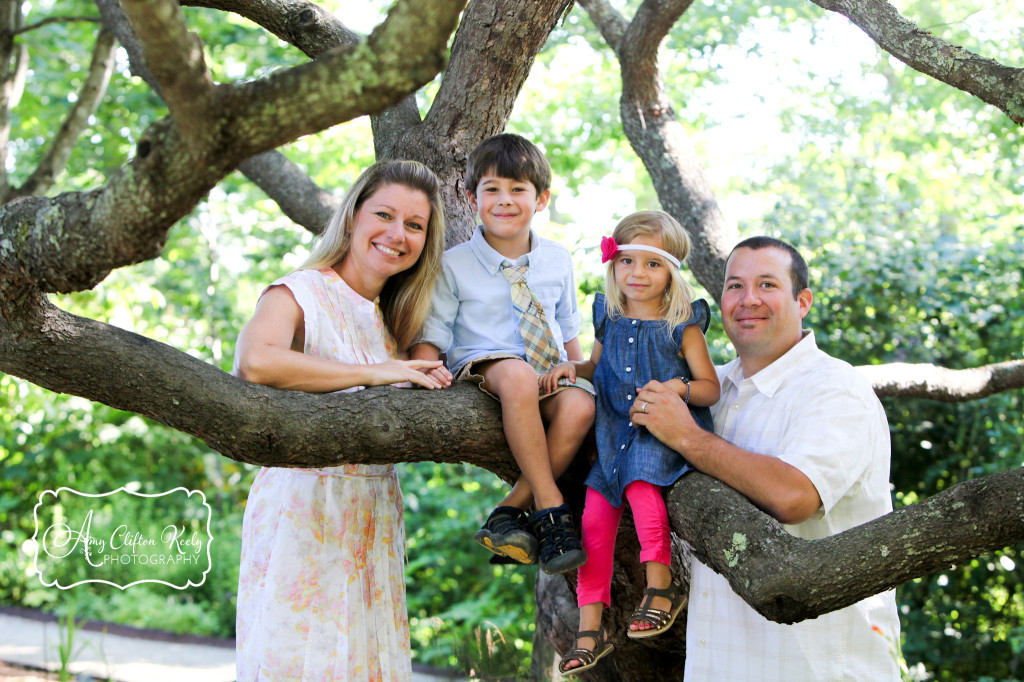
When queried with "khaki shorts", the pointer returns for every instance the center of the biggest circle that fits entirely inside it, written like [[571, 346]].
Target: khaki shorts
[[470, 372]]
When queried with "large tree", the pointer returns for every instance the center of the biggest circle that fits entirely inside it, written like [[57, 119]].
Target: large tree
[[72, 241]]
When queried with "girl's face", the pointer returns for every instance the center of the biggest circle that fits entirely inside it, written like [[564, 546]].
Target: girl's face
[[642, 277], [388, 235]]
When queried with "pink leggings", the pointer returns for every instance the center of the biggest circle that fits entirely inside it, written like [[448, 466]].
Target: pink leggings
[[600, 525]]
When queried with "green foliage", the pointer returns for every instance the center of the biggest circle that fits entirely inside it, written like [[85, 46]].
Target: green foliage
[[455, 596], [66, 649]]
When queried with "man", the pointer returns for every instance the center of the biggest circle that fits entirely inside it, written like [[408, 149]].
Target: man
[[803, 436]]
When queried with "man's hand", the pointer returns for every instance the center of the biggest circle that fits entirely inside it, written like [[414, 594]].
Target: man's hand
[[778, 488], [660, 409]]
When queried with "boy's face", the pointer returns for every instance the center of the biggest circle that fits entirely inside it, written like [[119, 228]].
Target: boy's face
[[507, 206]]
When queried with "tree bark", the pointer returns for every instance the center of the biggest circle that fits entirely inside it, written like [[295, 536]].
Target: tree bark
[[902, 380], [991, 82], [13, 65], [493, 52]]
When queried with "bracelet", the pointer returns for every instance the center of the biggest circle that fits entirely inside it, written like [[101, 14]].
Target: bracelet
[[687, 382]]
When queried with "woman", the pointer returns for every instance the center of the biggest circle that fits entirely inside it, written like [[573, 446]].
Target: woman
[[321, 592]]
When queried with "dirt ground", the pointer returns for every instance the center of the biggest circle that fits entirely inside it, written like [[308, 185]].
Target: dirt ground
[[13, 673]]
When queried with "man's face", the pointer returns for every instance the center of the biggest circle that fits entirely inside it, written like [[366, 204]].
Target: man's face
[[760, 313]]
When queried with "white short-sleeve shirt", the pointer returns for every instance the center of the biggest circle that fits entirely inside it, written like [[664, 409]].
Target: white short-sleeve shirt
[[821, 416]]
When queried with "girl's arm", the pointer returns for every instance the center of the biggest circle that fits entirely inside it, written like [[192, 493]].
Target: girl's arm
[[269, 352], [572, 368], [704, 386]]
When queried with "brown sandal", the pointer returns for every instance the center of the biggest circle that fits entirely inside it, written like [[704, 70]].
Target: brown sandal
[[661, 620], [587, 657]]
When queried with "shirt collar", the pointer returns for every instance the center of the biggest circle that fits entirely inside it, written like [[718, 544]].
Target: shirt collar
[[491, 259], [768, 380]]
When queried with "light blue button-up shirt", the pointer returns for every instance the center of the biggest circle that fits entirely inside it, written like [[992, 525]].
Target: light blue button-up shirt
[[472, 312]]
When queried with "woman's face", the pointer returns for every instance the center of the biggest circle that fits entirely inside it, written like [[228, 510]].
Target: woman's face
[[388, 235]]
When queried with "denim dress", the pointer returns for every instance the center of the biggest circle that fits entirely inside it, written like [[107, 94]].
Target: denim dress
[[633, 353]]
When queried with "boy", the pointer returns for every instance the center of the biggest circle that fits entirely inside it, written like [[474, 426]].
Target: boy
[[502, 286]]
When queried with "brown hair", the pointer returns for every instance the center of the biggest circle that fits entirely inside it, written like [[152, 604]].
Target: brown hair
[[508, 156], [798, 266]]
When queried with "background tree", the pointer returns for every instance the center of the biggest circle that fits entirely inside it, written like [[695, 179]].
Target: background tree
[[217, 122]]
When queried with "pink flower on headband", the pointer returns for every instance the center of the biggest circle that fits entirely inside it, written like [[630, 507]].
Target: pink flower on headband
[[608, 249]]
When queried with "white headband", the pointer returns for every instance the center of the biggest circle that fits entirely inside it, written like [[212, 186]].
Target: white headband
[[609, 248]]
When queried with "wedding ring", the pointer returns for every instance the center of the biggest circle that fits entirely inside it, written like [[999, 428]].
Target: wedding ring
[[643, 408]]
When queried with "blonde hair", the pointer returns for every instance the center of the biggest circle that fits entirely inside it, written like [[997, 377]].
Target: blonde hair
[[405, 299], [675, 305]]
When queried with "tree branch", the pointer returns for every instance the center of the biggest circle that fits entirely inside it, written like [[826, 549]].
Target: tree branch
[[305, 25], [491, 57], [902, 380], [492, 35], [312, 30], [12, 81], [658, 138], [650, 26], [55, 20], [988, 80], [787, 579], [89, 97], [116, 21], [291, 188], [246, 422], [608, 20], [391, 125], [175, 58], [285, 183], [277, 109], [127, 220]]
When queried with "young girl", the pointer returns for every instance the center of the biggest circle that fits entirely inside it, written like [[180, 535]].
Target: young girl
[[646, 330]]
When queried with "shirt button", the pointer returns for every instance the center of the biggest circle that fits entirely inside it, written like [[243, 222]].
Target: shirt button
[[634, 321], [629, 369], [736, 407], [622, 447], [630, 423], [631, 339], [629, 397]]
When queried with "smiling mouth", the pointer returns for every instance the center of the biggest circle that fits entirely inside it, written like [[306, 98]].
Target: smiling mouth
[[386, 250]]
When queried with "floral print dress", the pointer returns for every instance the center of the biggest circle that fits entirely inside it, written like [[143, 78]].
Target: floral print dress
[[321, 589]]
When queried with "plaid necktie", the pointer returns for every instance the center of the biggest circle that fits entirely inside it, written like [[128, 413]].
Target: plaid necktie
[[541, 351]]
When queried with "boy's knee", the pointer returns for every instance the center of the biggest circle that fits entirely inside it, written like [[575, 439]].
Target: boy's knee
[[578, 405], [511, 378]]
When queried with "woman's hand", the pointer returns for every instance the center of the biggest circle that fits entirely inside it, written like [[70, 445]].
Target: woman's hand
[[549, 380], [426, 351], [425, 373], [440, 374]]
